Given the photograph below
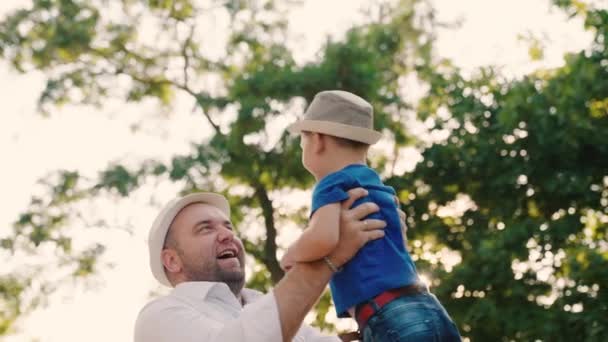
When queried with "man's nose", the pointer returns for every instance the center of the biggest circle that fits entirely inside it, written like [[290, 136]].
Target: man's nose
[[225, 234]]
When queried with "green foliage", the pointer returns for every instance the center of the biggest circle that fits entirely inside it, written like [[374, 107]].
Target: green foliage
[[536, 49], [529, 155], [86, 262], [176, 9], [119, 179], [11, 290], [322, 308]]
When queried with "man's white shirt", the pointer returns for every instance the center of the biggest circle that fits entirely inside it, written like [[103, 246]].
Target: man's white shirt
[[208, 311]]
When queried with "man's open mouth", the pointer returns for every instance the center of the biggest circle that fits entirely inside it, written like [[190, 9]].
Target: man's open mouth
[[229, 253]]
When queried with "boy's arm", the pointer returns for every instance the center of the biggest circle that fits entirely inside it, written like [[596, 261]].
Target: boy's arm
[[320, 238]]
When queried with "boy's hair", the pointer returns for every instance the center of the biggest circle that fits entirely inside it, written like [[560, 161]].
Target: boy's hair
[[343, 142]]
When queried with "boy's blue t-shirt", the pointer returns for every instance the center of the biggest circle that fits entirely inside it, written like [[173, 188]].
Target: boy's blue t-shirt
[[381, 264]]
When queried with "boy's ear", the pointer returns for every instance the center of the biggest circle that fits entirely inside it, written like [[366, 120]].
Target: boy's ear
[[320, 141]]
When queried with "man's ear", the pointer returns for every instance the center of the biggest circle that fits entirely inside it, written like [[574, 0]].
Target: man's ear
[[171, 260]]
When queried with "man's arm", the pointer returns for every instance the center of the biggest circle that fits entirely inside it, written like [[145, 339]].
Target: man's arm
[[300, 289], [274, 317]]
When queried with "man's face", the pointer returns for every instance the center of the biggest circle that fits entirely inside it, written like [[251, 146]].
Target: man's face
[[207, 246]]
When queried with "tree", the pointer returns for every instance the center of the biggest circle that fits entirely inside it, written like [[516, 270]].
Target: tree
[[529, 158], [85, 49]]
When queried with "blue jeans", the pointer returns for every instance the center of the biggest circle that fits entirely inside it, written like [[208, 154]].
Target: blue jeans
[[417, 317]]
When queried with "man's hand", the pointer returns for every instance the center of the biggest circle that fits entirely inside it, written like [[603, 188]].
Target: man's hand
[[354, 230]]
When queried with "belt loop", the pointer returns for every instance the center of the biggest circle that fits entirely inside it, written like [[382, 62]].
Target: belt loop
[[374, 304], [371, 302]]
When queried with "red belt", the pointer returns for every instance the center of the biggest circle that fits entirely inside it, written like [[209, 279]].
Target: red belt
[[366, 310]]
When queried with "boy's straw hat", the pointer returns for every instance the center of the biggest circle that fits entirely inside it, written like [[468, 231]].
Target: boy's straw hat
[[340, 114]]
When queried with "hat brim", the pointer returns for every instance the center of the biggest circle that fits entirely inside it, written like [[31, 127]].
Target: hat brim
[[364, 135], [160, 227]]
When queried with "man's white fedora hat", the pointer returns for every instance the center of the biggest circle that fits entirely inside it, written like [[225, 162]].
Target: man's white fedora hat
[[341, 114], [160, 227]]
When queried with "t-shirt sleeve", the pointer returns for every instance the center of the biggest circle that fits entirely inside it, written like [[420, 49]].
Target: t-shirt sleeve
[[332, 189]]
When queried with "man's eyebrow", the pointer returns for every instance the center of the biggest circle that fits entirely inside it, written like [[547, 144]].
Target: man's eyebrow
[[206, 222]]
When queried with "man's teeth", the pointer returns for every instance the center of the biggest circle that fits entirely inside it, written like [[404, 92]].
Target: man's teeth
[[227, 254]]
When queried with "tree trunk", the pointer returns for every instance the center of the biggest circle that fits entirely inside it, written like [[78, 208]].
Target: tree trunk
[[270, 246]]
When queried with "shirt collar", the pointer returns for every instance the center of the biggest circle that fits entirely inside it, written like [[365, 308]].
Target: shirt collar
[[199, 289], [250, 296], [214, 290]]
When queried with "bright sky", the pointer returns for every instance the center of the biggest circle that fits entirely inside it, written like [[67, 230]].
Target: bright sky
[[88, 139]]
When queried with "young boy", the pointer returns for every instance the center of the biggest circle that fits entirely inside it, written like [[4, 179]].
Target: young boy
[[379, 287]]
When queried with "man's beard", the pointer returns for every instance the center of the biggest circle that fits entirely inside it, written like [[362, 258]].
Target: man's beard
[[211, 271]]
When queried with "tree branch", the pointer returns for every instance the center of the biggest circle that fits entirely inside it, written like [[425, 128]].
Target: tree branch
[[186, 56]]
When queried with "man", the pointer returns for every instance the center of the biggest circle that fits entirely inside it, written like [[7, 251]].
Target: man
[[193, 248]]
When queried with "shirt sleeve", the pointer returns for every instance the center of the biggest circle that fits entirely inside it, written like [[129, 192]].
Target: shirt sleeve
[[179, 322], [331, 189]]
